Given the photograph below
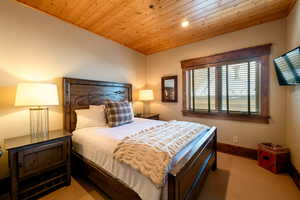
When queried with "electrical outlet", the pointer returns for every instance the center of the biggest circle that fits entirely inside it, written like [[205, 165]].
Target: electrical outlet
[[235, 139]]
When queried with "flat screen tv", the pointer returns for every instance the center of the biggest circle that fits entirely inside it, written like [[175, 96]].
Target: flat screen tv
[[288, 67]]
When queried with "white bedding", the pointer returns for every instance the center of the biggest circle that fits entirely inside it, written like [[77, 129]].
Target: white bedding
[[98, 143]]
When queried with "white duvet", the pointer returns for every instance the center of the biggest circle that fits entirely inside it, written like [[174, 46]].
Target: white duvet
[[98, 143]]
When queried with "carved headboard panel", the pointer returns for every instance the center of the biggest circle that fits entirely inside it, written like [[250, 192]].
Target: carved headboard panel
[[79, 94]]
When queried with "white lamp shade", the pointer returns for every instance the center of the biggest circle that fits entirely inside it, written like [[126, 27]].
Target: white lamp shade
[[36, 94], [146, 95]]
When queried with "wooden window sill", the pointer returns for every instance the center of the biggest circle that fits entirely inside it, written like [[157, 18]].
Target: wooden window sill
[[230, 116]]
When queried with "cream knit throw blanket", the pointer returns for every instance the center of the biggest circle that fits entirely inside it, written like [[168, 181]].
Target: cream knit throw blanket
[[150, 151]]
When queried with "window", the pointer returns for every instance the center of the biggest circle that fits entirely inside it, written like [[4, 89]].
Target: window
[[231, 85]]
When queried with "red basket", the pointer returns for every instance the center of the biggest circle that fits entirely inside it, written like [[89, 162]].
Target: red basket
[[274, 158]]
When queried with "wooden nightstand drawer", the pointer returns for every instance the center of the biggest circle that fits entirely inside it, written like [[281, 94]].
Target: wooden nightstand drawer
[[41, 158]]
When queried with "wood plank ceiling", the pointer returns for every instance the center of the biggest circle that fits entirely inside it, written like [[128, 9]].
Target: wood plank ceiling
[[151, 26]]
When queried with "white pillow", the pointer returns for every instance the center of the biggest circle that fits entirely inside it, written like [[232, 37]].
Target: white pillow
[[102, 107], [90, 118], [131, 105]]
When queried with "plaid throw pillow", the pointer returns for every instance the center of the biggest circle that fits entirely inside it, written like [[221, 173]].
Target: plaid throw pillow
[[118, 113]]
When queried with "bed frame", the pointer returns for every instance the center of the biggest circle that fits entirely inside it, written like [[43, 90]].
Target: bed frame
[[192, 163]]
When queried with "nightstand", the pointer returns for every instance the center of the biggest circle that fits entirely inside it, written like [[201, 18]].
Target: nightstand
[[149, 116], [38, 165]]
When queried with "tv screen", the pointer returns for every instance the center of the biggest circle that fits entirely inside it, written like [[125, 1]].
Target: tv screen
[[288, 67]]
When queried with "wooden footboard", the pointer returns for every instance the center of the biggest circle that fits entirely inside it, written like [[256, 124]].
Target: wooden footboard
[[186, 178]]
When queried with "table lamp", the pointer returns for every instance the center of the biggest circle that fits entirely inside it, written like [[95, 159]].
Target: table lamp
[[146, 96], [37, 96]]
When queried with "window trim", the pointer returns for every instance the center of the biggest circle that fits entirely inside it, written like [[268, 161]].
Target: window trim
[[261, 52]]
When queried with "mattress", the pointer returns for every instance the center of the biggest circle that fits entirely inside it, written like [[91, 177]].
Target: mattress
[[97, 145]]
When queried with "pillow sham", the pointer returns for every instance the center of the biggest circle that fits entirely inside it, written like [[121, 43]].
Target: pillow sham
[[118, 113], [111, 101], [90, 117]]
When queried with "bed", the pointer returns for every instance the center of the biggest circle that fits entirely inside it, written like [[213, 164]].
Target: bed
[[189, 167]]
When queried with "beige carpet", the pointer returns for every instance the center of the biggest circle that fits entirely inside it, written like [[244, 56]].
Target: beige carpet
[[241, 179], [236, 179]]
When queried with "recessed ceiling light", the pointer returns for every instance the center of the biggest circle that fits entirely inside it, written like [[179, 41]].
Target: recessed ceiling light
[[185, 23]]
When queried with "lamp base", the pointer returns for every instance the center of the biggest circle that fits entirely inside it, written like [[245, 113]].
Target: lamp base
[[39, 122]]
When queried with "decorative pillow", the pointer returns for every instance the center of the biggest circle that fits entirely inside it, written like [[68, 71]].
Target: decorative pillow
[[111, 101], [118, 113], [90, 117]]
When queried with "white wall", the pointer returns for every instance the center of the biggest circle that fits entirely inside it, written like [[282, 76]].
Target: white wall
[[293, 93], [38, 47], [249, 134]]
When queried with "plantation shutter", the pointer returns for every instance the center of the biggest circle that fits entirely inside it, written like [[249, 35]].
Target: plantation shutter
[[228, 85], [239, 91]]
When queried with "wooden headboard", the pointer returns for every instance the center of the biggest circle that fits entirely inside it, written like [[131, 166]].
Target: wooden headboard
[[79, 94]]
